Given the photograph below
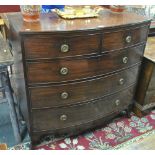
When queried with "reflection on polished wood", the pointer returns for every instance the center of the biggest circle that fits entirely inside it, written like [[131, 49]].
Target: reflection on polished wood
[[52, 22]]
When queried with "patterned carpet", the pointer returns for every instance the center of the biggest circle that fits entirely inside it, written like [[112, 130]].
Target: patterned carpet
[[119, 133]]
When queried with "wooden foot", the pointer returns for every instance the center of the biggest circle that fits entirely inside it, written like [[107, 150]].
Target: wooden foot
[[35, 139], [122, 113], [140, 113], [128, 113]]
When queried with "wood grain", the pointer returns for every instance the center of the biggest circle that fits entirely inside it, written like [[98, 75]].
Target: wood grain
[[82, 68], [49, 46], [50, 96], [49, 119], [51, 22], [117, 39]]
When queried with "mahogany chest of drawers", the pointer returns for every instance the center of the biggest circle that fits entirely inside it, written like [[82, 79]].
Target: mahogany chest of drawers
[[78, 73]]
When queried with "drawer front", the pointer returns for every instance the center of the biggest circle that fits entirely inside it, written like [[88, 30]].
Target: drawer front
[[73, 93], [51, 46], [57, 118], [124, 38], [75, 69]]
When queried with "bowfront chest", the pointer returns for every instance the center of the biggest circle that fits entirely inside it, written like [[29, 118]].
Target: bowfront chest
[[78, 73]]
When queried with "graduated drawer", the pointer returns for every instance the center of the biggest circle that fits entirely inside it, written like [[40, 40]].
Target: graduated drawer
[[54, 46], [75, 69], [123, 38], [57, 118], [73, 93]]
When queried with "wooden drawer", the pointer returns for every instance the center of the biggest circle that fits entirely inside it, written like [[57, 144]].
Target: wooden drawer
[[57, 118], [55, 46], [75, 69], [124, 38], [73, 93]]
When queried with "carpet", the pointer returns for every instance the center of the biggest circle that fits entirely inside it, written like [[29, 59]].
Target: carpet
[[120, 132]]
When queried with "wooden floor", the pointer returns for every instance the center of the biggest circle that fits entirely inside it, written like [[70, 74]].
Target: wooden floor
[[146, 144], [3, 147]]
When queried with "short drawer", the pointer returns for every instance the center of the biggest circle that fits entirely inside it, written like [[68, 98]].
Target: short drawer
[[124, 38], [58, 118], [77, 69], [55, 46], [76, 93]]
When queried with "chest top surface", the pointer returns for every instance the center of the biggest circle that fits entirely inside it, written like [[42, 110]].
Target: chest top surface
[[51, 22]]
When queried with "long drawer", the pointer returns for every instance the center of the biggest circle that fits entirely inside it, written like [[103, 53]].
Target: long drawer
[[75, 93], [75, 69], [58, 118], [124, 38], [54, 46]]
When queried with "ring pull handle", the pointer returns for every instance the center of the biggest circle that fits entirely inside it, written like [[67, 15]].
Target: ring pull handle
[[64, 71], [64, 95], [125, 60], [128, 39], [117, 102], [64, 48], [63, 117], [121, 81]]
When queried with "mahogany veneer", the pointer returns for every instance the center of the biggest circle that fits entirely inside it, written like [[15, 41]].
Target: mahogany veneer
[[78, 73]]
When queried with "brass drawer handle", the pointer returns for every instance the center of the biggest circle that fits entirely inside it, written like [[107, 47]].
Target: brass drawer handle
[[64, 95], [64, 71], [121, 81], [125, 60], [117, 102], [128, 39], [64, 48], [63, 117]]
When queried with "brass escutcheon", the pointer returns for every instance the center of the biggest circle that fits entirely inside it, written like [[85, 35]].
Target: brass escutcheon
[[64, 71], [63, 117], [64, 95], [128, 39], [125, 60], [117, 102], [121, 81], [64, 48]]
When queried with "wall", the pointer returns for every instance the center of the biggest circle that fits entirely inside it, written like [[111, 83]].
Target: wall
[[9, 8]]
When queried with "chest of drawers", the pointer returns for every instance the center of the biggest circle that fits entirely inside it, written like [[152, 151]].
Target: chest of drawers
[[78, 73]]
